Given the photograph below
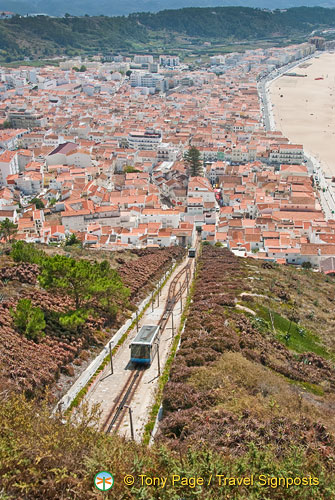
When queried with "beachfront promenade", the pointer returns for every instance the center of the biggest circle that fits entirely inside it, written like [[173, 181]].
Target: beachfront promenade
[[289, 105]]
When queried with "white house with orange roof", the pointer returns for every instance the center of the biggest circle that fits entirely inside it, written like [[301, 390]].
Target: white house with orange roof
[[30, 183], [79, 158], [168, 218], [10, 214], [8, 165], [296, 170], [7, 199], [10, 138], [201, 187]]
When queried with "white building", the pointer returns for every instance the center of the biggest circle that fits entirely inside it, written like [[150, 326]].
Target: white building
[[287, 153], [149, 140], [145, 59], [170, 61], [9, 165]]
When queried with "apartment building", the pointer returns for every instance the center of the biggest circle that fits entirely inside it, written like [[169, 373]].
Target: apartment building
[[148, 140]]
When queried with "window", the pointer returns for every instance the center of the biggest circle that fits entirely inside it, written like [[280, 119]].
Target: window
[[140, 351]]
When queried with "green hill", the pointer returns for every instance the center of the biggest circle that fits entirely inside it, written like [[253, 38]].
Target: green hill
[[43, 36]]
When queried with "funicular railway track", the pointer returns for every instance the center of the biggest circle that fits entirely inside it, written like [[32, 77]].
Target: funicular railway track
[[116, 414]]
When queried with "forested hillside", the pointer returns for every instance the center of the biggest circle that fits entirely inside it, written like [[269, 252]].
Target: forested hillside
[[237, 22], [107, 8], [42, 36]]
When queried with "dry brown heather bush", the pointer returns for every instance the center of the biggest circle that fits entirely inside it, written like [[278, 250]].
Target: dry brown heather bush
[[24, 273], [150, 264], [43, 458], [233, 383]]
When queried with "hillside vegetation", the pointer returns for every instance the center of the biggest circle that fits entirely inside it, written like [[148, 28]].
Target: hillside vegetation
[[251, 392], [57, 310], [42, 36]]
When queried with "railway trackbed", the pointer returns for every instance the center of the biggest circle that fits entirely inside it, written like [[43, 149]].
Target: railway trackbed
[[114, 419], [116, 414], [126, 385]]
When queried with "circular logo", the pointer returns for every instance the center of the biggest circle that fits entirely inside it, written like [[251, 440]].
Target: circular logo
[[103, 481]]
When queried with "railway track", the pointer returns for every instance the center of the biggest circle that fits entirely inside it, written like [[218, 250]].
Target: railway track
[[116, 415], [174, 295]]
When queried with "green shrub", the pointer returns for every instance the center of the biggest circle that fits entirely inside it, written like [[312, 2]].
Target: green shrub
[[27, 252], [28, 320]]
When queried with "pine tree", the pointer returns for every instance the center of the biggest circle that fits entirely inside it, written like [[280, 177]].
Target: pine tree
[[193, 161], [7, 229]]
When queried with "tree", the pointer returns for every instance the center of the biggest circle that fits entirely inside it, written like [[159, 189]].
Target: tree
[[27, 252], [85, 282], [307, 265], [110, 292], [7, 229], [193, 161], [72, 240], [128, 73], [38, 203], [28, 320], [6, 124], [73, 320], [128, 169]]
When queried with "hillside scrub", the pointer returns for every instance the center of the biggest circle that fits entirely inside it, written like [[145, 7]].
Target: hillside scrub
[[239, 402], [81, 302], [43, 458], [233, 384]]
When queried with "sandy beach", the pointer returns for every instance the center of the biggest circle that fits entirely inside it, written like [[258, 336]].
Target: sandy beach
[[304, 108]]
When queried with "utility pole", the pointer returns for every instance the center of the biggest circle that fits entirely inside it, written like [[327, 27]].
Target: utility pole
[[131, 422], [158, 360], [172, 324], [111, 356], [181, 298], [136, 321], [152, 301], [188, 289]]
